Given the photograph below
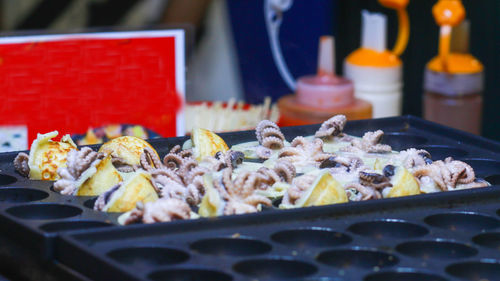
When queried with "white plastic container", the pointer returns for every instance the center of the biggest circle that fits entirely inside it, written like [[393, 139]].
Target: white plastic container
[[375, 71]]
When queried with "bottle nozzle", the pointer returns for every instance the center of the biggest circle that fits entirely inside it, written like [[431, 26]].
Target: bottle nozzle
[[326, 57], [373, 33]]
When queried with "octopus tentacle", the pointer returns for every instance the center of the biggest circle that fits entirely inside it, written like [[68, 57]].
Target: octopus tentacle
[[269, 135], [162, 210], [21, 164], [172, 161], [374, 180], [367, 192], [76, 164], [149, 160], [121, 165], [299, 141], [263, 152], [187, 153], [369, 143], [256, 199], [285, 170], [176, 149]]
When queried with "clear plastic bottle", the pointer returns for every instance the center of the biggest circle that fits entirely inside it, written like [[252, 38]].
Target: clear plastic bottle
[[454, 98]]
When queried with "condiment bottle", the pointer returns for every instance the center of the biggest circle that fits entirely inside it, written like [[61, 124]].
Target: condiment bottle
[[453, 82], [320, 96], [376, 71]]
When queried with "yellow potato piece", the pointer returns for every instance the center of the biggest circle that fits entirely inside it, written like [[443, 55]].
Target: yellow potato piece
[[324, 191], [403, 184], [207, 143], [105, 177], [211, 203], [46, 156], [127, 147], [135, 189]]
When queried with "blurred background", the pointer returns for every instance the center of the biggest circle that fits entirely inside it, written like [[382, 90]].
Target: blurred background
[[228, 43]]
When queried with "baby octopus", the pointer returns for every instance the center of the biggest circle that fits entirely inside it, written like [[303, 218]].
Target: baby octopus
[[162, 210], [184, 182], [77, 163], [369, 143], [412, 158], [448, 173], [297, 189], [304, 152], [240, 194], [332, 127]]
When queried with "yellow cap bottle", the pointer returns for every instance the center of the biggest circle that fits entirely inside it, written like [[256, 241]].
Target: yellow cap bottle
[[376, 71], [453, 81]]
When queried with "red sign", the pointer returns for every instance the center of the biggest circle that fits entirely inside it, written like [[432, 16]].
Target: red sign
[[71, 82]]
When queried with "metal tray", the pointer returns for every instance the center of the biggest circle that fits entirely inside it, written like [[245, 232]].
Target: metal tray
[[34, 215], [405, 239]]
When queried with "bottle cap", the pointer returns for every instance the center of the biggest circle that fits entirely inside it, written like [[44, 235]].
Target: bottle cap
[[373, 50]]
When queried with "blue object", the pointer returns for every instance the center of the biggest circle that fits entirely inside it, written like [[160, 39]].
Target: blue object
[[295, 25]]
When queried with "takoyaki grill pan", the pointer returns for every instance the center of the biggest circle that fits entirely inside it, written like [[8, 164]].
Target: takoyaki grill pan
[[34, 215], [456, 237]]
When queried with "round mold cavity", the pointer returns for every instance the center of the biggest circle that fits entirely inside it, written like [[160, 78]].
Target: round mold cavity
[[402, 141], [21, 195], [90, 203], [383, 229], [310, 237], [231, 247], [464, 222], [493, 180], [275, 268], [72, 225], [6, 179], [436, 250], [475, 271], [403, 276], [484, 167], [440, 152], [44, 211], [148, 256], [357, 258], [489, 240], [193, 274]]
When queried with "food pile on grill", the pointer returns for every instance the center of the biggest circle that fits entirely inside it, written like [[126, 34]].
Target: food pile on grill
[[206, 178]]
